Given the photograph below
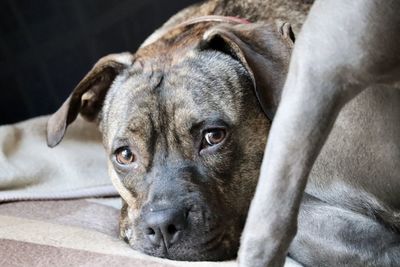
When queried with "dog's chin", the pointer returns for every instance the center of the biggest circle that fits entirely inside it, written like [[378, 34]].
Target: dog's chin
[[214, 250], [190, 255]]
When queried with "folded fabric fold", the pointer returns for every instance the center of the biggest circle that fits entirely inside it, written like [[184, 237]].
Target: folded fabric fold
[[30, 170]]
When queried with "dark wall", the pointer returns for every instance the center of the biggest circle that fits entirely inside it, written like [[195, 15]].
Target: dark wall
[[47, 46]]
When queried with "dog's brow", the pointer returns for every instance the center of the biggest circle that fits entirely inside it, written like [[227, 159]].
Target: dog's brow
[[209, 122], [138, 130], [119, 142], [133, 129]]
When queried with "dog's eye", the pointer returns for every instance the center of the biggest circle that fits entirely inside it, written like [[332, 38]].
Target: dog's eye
[[124, 155], [214, 136]]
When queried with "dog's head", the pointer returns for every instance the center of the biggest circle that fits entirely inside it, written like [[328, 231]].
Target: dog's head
[[184, 124]]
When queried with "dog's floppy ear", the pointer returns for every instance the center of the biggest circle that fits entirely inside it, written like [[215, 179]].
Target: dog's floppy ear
[[264, 49], [87, 97]]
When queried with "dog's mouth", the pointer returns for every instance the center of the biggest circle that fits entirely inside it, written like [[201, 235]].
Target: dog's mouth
[[187, 227], [217, 244], [217, 247]]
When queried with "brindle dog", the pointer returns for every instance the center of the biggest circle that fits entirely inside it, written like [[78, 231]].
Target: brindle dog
[[185, 121]]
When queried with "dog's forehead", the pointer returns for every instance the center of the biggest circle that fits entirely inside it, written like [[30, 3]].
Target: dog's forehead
[[186, 85]]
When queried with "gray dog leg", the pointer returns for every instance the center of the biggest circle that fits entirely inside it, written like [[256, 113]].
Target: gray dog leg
[[336, 57], [292, 147], [333, 236]]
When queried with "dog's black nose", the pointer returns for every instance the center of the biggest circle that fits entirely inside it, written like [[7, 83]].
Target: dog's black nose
[[165, 226]]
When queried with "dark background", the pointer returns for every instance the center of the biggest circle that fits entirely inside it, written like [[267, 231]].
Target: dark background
[[47, 46]]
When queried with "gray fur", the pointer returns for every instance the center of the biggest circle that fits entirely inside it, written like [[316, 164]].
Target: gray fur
[[350, 214]]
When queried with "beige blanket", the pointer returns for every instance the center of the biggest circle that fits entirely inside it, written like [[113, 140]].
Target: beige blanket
[[70, 233], [29, 170]]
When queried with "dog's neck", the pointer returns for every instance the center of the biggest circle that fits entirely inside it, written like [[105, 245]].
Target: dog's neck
[[193, 21], [215, 18]]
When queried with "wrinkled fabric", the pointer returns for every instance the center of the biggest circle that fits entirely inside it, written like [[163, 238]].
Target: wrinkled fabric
[[29, 170]]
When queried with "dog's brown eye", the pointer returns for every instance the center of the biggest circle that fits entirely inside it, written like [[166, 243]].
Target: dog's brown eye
[[214, 136], [124, 156]]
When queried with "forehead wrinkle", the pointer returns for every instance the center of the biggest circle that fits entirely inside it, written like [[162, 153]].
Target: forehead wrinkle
[[119, 80], [141, 107], [182, 114], [222, 83], [170, 103], [128, 99], [113, 108], [136, 99], [200, 83]]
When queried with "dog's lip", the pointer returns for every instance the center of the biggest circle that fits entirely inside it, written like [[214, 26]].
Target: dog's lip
[[211, 252], [211, 245]]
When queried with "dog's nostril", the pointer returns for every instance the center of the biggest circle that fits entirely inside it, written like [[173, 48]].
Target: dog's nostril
[[171, 229]]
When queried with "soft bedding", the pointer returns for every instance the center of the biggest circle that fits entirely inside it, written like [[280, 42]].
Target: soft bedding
[[69, 233]]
